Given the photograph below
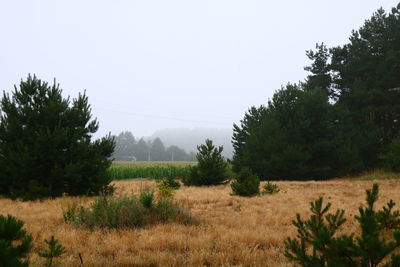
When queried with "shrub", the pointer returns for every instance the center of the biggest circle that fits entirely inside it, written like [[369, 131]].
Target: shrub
[[146, 198], [391, 158], [164, 191], [270, 188], [125, 212], [318, 245], [54, 250], [211, 168], [171, 183], [15, 242], [46, 147], [246, 184]]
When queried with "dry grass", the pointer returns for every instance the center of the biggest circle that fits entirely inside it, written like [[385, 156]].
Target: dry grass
[[233, 231]]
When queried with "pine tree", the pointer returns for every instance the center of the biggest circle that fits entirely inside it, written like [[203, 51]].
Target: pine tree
[[318, 245], [211, 168], [45, 144], [15, 242], [246, 184]]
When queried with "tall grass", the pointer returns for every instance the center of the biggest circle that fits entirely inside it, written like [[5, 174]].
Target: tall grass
[[126, 212], [151, 172], [152, 163]]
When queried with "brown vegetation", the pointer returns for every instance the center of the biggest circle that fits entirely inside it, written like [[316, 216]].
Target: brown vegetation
[[232, 230]]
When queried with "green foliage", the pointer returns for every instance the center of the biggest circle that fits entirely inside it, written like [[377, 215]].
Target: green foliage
[[211, 168], [15, 242], [166, 187], [165, 191], [55, 250], [318, 244], [45, 144], [391, 158], [246, 184], [293, 140], [336, 122], [125, 212], [146, 198], [152, 172], [171, 182], [271, 188]]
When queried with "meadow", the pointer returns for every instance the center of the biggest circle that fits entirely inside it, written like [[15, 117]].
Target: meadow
[[231, 230]]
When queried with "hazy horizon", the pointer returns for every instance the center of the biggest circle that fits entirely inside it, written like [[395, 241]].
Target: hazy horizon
[[152, 65]]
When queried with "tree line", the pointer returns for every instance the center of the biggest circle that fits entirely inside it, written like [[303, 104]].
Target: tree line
[[344, 118], [128, 149]]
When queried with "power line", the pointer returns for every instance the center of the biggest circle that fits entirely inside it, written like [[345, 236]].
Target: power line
[[161, 117]]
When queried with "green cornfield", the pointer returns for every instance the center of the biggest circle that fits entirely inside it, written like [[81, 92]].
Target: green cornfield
[[149, 170]]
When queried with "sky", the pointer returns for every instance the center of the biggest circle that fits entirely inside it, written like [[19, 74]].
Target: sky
[[156, 64]]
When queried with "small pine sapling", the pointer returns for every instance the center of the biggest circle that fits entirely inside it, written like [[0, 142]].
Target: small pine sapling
[[271, 188], [146, 197], [317, 244], [54, 250], [246, 184]]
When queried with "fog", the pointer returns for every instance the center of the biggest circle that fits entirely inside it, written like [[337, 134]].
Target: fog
[[150, 65]]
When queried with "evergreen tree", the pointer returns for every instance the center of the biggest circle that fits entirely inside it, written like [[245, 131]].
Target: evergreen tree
[[15, 242], [174, 153], [246, 184], [339, 120], [142, 150], [45, 144], [251, 121], [211, 168], [125, 147], [294, 139], [157, 150], [317, 242]]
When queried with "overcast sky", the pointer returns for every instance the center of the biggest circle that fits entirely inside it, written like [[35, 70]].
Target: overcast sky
[[149, 65]]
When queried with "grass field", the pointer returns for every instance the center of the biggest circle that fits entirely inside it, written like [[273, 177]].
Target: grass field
[[232, 231]]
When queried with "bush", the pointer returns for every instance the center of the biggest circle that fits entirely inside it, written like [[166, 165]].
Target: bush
[[246, 184], [15, 242], [270, 188], [171, 183], [125, 212], [146, 198], [46, 147], [318, 245], [391, 159], [211, 168], [164, 191]]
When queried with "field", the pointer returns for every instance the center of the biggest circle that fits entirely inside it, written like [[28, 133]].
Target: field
[[232, 231], [122, 170], [152, 163]]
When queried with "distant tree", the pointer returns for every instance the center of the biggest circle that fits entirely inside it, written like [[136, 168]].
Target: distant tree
[[174, 153], [142, 150], [211, 168], [157, 150], [125, 147], [45, 144]]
